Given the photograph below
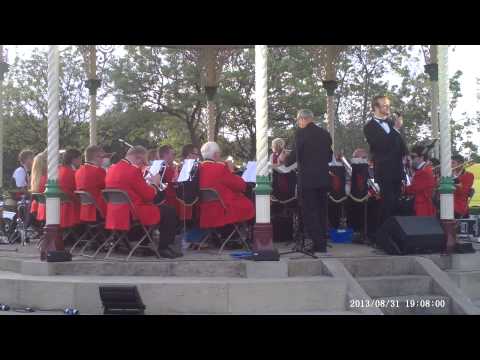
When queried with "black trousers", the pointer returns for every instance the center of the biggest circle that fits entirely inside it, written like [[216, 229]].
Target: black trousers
[[390, 191], [314, 211], [167, 226]]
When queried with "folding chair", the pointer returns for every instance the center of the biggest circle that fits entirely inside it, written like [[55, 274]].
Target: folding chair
[[94, 229], [120, 197], [64, 198], [210, 195]]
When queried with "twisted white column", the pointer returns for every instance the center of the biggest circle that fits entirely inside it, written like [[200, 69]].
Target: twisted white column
[[93, 97], [434, 108], [53, 203], [261, 108], [446, 200]]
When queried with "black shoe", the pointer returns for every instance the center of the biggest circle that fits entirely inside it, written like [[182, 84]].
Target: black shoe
[[175, 252], [167, 253]]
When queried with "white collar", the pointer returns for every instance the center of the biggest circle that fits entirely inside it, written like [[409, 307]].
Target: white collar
[[422, 164]]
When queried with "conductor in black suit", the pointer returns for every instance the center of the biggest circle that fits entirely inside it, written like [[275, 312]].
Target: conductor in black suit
[[312, 152], [387, 150]]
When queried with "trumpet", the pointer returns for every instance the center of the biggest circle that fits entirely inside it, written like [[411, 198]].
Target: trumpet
[[464, 164]]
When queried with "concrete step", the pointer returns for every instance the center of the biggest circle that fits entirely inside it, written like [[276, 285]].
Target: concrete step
[[381, 266], [467, 281], [414, 305], [377, 286], [465, 261], [173, 295]]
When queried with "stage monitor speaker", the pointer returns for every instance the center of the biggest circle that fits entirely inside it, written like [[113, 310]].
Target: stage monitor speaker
[[403, 235]]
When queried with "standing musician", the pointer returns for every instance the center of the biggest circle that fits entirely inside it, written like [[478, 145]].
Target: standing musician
[[423, 183], [312, 152], [463, 186], [387, 153]]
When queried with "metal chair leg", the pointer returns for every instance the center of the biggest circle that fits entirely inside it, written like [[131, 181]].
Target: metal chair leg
[[112, 236], [122, 237], [152, 243], [81, 239], [93, 240]]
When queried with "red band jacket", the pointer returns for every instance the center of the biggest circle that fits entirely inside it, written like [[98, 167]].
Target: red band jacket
[[91, 178], [230, 187], [460, 196], [69, 206], [127, 177], [422, 187]]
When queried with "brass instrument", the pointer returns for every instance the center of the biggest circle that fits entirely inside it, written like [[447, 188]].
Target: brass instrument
[[464, 164], [370, 182]]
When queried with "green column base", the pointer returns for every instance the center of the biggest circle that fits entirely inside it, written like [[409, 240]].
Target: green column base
[[263, 186], [52, 189], [447, 186]]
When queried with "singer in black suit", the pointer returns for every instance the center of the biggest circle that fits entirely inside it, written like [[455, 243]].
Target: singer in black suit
[[313, 153], [387, 150]]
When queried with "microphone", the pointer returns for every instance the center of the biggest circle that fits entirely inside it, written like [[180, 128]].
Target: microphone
[[125, 143]]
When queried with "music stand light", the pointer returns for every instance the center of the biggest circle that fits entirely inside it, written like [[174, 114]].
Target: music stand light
[[121, 300]]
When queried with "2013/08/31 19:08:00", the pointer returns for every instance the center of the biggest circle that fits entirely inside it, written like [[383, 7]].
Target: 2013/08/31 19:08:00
[[395, 303]]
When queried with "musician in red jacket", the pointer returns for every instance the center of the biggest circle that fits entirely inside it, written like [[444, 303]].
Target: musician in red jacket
[[423, 183], [69, 205], [219, 176], [463, 186], [126, 175], [90, 177], [167, 154]]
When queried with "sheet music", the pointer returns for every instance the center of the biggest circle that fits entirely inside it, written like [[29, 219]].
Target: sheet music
[[154, 168], [285, 169], [186, 170], [250, 173]]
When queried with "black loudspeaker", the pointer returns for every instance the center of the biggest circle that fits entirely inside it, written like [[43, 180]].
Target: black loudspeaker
[[403, 235], [121, 300], [58, 256], [266, 255]]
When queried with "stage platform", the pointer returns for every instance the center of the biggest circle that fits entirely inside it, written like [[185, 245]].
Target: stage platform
[[203, 282]]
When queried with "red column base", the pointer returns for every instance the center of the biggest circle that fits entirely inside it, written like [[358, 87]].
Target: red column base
[[52, 241], [450, 230], [262, 237]]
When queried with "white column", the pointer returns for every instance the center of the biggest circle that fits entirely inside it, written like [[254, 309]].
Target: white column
[[446, 198], [434, 109], [263, 188], [53, 202], [93, 96]]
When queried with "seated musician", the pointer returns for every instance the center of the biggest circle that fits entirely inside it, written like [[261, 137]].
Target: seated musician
[[90, 177], [463, 186], [185, 212], [69, 207], [167, 153], [127, 176], [21, 176], [423, 183], [218, 175], [38, 182], [152, 155], [278, 145]]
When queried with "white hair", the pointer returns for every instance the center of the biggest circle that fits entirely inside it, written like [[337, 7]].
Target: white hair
[[209, 149], [305, 114], [278, 143]]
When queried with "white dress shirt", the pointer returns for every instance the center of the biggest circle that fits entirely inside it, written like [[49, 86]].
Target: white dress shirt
[[383, 124]]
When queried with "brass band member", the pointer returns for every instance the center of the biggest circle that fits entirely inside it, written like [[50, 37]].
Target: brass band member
[[21, 176], [463, 186], [423, 183]]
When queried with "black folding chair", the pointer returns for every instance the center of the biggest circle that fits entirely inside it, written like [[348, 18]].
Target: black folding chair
[[210, 195], [120, 197], [94, 229]]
